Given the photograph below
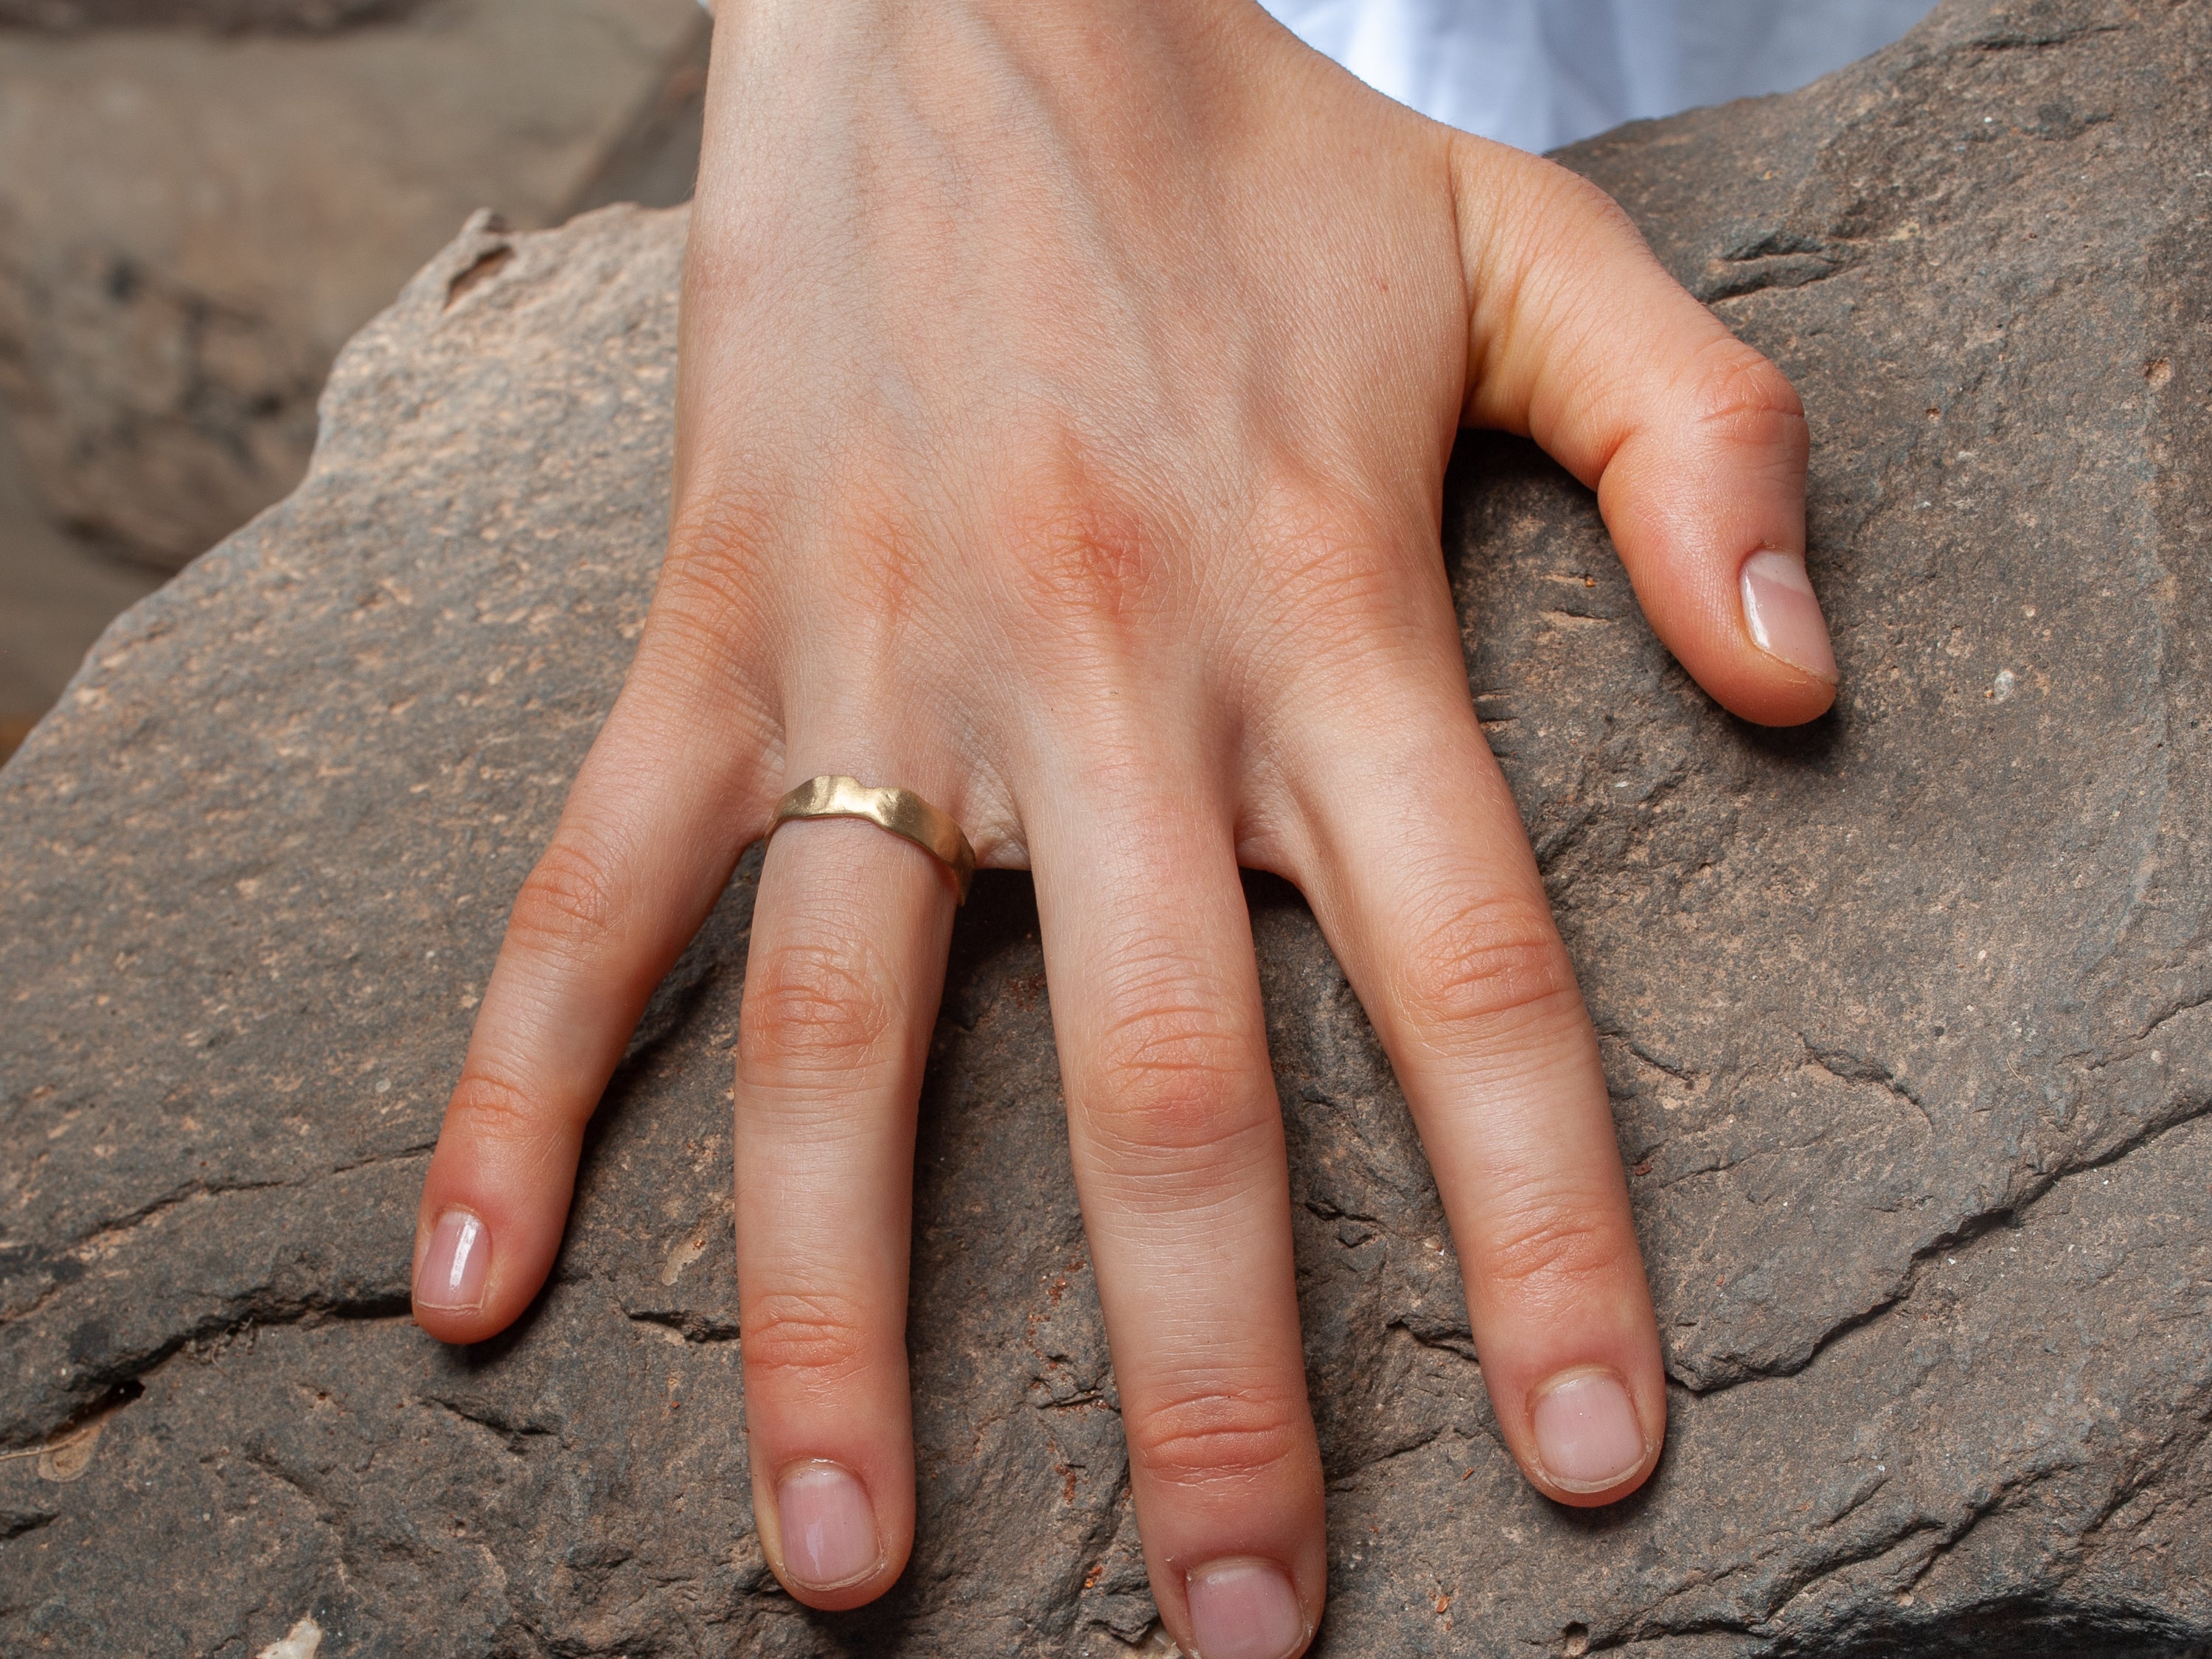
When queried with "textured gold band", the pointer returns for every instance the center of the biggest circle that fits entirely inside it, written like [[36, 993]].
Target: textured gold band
[[899, 811]]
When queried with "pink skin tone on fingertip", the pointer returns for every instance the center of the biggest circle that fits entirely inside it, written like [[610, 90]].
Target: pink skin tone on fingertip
[[1245, 1610], [456, 1265], [1783, 614], [1587, 1434], [829, 1527]]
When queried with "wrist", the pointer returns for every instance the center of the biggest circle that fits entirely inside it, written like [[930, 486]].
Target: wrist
[[805, 81], [1061, 28]]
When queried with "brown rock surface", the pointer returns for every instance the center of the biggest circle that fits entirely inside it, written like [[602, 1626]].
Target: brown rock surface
[[192, 223], [1908, 1016]]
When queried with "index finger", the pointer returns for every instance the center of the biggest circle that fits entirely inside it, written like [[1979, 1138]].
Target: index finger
[[1432, 900], [1695, 443]]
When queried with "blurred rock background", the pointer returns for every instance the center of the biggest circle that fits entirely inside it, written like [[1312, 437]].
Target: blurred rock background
[[200, 200]]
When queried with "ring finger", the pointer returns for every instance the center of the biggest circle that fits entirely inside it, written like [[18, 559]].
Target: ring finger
[[843, 980]]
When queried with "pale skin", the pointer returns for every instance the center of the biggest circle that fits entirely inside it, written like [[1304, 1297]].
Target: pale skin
[[1066, 389]]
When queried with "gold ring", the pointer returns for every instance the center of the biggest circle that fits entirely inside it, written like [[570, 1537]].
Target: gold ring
[[899, 811]]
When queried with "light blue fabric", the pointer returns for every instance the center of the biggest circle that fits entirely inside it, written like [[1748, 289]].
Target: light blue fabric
[[1543, 73]]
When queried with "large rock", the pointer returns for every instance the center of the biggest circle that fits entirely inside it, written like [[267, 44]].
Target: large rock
[[192, 223], [1908, 1016]]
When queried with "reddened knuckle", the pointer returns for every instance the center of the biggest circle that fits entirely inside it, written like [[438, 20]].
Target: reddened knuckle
[[1477, 958], [1208, 1437], [704, 551], [1084, 559], [803, 1339], [570, 901], [818, 1007]]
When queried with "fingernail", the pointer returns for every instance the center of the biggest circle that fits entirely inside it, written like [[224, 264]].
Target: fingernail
[[1245, 1610], [456, 1264], [1784, 615], [1587, 1433], [829, 1527]]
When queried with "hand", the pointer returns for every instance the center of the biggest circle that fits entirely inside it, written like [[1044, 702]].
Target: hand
[[1067, 390]]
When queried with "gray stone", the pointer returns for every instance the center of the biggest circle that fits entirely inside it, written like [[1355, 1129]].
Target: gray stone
[[1908, 1016]]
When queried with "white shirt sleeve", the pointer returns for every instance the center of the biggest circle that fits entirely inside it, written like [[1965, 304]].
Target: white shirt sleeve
[[1543, 73]]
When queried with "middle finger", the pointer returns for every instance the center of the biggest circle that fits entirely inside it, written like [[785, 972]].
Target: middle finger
[[1177, 1138]]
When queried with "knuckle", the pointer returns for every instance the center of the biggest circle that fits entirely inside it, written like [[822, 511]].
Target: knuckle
[[1573, 201], [1739, 394], [1333, 564], [814, 1007], [1209, 1436], [710, 575], [719, 528], [880, 557], [488, 1107], [803, 1339], [731, 556], [1560, 218], [1170, 1077], [1084, 560], [568, 901], [1551, 1246], [692, 653], [1481, 960]]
